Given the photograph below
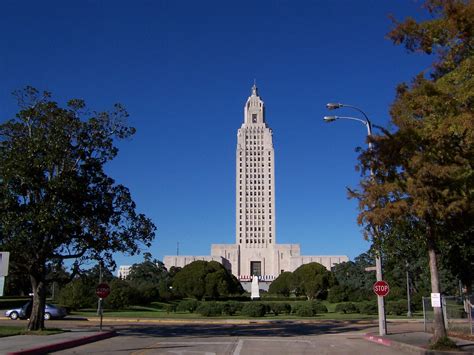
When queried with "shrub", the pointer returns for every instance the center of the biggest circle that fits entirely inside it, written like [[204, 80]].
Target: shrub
[[337, 294], [318, 307], [397, 307], [170, 308], [209, 309], [305, 310], [368, 307], [187, 306], [231, 307], [120, 296], [254, 309], [76, 294], [346, 307], [279, 308]]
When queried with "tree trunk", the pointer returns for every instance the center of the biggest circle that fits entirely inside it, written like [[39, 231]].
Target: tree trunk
[[439, 328], [39, 299]]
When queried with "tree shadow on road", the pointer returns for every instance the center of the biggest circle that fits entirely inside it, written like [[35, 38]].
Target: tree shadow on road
[[274, 329]]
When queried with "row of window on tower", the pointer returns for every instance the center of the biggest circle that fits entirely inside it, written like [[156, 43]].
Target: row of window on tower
[[256, 205], [250, 222], [256, 193], [254, 241], [257, 216], [256, 229]]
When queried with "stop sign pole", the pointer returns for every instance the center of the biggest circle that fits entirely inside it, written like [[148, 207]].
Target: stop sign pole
[[102, 291]]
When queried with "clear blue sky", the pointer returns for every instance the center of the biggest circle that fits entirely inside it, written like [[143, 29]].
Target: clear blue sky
[[184, 70]]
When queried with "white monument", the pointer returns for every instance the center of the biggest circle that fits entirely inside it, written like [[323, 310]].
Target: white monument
[[256, 252], [255, 291]]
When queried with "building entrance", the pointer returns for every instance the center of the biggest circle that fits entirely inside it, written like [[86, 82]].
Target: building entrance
[[256, 268]]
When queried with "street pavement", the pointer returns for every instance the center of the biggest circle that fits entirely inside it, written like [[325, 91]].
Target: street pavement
[[140, 337]]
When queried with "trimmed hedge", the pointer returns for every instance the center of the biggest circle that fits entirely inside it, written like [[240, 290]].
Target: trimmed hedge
[[231, 307], [187, 306], [347, 307], [368, 307], [254, 309], [397, 307], [280, 308], [209, 309]]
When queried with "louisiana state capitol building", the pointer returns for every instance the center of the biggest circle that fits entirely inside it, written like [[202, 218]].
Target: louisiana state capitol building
[[255, 190], [256, 251]]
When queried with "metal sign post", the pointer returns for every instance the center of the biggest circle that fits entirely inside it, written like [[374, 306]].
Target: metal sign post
[[102, 291], [101, 313]]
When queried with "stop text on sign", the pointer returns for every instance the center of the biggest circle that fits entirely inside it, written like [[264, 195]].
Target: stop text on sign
[[381, 288]]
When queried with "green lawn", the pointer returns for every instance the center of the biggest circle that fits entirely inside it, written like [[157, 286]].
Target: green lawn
[[161, 314], [6, 331]]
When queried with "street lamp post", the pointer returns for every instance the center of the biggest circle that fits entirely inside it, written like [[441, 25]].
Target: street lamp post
[[378, 261]]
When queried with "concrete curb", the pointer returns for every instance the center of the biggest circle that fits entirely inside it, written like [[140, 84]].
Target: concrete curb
[[394, 344], [65, 344], [408, 347]]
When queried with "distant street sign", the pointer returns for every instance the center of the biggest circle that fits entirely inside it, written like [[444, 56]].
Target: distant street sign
[[371, 268], [381, 288], [103, 290]]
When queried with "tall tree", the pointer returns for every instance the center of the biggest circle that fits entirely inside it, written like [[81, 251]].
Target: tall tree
[[148, 278], [56, 201], [312, 279], [201, 279], [423, 168]]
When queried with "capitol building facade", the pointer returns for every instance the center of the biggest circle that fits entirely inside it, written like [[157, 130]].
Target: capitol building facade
[[255, 251]]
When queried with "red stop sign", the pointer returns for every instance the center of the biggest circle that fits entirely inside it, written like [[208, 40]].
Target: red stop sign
[[103, 290], [381, 288]]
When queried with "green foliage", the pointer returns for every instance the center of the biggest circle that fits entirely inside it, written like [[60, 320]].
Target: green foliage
[[79, 293], [187, 306], [150, 280], [254, 309], [346, 307], [282, 285], [279, 308], [303, 309], [121, 295], [318, 307], [201, 279], [397, 307], [230, 308], [209, 309], [171, 307], [56, 200], [368, 307], [312, 280], [418, 176], [337, 294], [308, 308]]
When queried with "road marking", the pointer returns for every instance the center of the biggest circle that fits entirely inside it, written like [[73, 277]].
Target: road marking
[[238, 349], [144, 351]]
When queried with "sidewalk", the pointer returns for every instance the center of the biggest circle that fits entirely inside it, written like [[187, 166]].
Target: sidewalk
[[42, 344], [418, 342]]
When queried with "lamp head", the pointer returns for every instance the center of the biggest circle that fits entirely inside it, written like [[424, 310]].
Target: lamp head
[[329, 118], [333, 105]]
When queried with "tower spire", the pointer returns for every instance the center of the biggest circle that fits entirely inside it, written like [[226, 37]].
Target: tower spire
[[254, 88]]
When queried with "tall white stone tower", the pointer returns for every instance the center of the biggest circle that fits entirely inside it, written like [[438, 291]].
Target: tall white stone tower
[[255, 180]]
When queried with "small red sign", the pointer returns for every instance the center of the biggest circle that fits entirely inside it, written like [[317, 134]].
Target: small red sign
[[103, 290], [381, 288]]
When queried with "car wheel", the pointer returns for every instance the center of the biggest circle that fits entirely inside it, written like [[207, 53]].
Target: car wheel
[[14, 315], [47, 316]]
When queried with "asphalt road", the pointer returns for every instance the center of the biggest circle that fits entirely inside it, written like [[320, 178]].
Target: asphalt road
[[286, 337]]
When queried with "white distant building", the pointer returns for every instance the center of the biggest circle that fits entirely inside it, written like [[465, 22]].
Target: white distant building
[[123, 271], [255, 252]]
